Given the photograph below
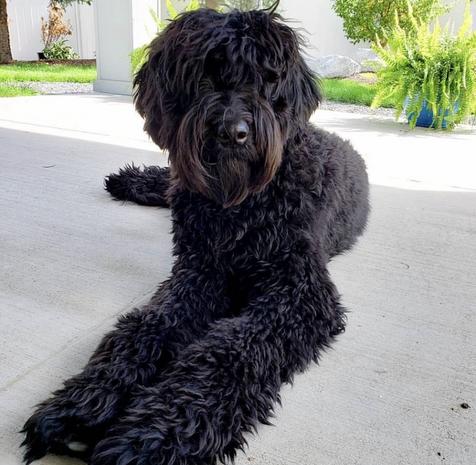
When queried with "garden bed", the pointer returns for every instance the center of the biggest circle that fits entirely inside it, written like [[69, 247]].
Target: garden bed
[[357, 90]]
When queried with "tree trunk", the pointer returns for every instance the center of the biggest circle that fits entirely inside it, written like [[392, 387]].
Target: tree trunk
[[5, 50]]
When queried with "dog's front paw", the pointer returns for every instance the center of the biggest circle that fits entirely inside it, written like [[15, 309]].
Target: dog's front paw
[[48, 431], [63, 427], [126, 447]]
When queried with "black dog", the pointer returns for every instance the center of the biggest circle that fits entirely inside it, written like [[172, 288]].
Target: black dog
[[261, 201]]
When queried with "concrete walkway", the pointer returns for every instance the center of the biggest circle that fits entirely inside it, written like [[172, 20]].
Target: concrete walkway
[[390, 392]]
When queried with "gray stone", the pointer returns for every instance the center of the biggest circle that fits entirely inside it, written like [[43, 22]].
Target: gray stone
[[368, 60], [335, 66]]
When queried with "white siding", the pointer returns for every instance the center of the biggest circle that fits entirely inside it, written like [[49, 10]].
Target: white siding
[[24, 18]]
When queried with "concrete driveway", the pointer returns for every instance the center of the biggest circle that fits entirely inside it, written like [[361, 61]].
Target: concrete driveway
[[391, 390]]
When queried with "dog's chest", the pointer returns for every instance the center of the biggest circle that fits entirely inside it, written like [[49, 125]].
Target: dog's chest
[[259, 228]]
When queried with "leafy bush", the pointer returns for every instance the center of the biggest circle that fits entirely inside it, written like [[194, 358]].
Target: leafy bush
[[55, 27], [54, 30], [429, 64], [364, 20], [59, 50]]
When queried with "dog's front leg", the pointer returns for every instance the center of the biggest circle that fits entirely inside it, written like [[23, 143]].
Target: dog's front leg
[[222, 386], [73, 420]]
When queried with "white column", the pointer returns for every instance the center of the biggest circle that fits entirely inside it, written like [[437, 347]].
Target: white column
[[121, 26]]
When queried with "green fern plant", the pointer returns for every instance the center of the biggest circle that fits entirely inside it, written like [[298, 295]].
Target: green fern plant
[[429, 66]]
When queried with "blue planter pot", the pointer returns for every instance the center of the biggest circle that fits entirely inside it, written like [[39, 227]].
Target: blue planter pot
[[425, 118]]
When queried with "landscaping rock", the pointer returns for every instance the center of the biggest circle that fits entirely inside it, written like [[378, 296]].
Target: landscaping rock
[[335, 66], [368, 60]]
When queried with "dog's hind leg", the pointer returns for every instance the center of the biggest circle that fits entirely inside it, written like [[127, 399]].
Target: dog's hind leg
[[133, 354], [146, 186], [343, 208]]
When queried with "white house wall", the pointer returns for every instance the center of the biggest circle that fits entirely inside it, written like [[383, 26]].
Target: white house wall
[[457, 13], [322, 27], [24, 18]]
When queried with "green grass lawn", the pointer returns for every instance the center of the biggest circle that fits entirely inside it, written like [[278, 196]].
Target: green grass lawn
[[47, 72], [349, 91], [10, 91]]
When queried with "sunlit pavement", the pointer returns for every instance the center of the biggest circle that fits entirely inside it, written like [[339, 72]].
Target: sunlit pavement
[[390, 391]]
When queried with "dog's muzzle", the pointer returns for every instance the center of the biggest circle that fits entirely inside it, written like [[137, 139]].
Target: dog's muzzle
[[236, 132]]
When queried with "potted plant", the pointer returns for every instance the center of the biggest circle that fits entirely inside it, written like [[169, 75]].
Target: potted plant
[[53, 33], [429, 72]]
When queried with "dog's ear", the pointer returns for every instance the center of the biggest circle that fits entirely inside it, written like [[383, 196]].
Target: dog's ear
[[297, 87], [301, 85], [148, 99], [167, 83], [302, 90], [154, 97]]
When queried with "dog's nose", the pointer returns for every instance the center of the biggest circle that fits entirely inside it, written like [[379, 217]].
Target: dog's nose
[[240, 131]]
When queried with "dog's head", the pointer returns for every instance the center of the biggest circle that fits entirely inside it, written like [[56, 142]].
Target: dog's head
[[223, 92]]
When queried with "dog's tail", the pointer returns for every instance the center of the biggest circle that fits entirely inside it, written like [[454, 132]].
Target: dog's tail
[[147, 186]]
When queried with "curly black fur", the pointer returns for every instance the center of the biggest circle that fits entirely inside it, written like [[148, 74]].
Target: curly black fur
[[261, 201]]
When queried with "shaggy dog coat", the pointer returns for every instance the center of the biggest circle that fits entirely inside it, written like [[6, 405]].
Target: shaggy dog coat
[[261, 201]]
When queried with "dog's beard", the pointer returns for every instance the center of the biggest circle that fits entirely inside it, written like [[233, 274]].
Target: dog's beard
[[226, 174], [230, 177]]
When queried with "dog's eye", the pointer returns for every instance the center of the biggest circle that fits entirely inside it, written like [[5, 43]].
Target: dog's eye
[[280, 105], [270, 76], [214, 63]]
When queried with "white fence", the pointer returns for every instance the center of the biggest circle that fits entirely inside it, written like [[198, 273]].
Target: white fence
[[24, 18]]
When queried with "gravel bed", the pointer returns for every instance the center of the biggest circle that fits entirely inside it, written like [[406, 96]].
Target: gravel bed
[[55, 87], [351, 108]]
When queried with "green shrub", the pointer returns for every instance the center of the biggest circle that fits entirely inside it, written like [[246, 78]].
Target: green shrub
[[429, 63], [59, 50], [364, 20]]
